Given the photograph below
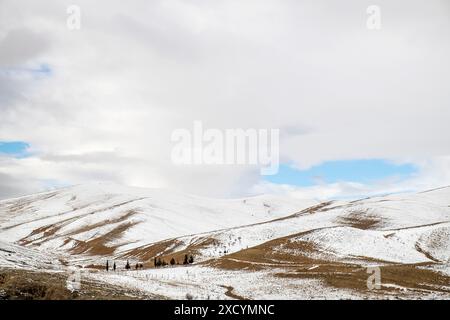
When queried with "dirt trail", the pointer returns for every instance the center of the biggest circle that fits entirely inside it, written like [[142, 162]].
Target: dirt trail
[[229, 293]]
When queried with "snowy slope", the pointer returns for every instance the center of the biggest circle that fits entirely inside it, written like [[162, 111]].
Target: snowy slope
[[407, 210], [109, 215], [414, 245], [410, 228], [114, 221], [15, 256], [306, 242]]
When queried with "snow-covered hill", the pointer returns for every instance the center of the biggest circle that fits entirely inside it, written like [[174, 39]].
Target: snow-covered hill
[[408, 228], [267, 237], [104, 218]]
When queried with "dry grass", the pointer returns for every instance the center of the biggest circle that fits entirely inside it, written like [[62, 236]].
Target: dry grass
[[98, 246], [46, 231], [29, 285], [361, 219]]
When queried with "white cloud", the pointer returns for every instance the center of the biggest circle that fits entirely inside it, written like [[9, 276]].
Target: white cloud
[[431, 174], [137, 70]]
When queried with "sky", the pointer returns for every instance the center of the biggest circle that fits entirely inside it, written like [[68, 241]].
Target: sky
[[361, 171], [15, 148], [360, 111]]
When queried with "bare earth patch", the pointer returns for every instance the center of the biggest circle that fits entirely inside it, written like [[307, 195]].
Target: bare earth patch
[[361, 219]]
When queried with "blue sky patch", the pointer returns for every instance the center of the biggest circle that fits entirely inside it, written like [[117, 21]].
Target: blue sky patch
[[17, 149], [43, 70], [361, 171]]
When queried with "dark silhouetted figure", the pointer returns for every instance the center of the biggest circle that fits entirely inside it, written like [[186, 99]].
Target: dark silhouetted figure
[[107, 265], [114, 266], [191, 259], [127, 266], [172, 261], [185, 261]]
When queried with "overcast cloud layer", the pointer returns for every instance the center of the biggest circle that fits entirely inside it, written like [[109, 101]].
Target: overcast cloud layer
[[100, 103]]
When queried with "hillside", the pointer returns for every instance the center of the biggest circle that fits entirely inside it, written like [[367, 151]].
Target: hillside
[[107, 218], [407, 228], [296, 248]]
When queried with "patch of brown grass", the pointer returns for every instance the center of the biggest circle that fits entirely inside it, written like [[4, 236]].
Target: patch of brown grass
[[361, 219], [30, 285], [27, 285], [98, 246], [266, 254], [46, 231]]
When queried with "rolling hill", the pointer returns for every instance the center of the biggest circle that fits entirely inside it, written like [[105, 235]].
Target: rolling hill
[[304, 245]]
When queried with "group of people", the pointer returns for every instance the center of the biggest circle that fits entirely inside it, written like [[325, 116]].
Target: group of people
[[127, 266], [157, 261]]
